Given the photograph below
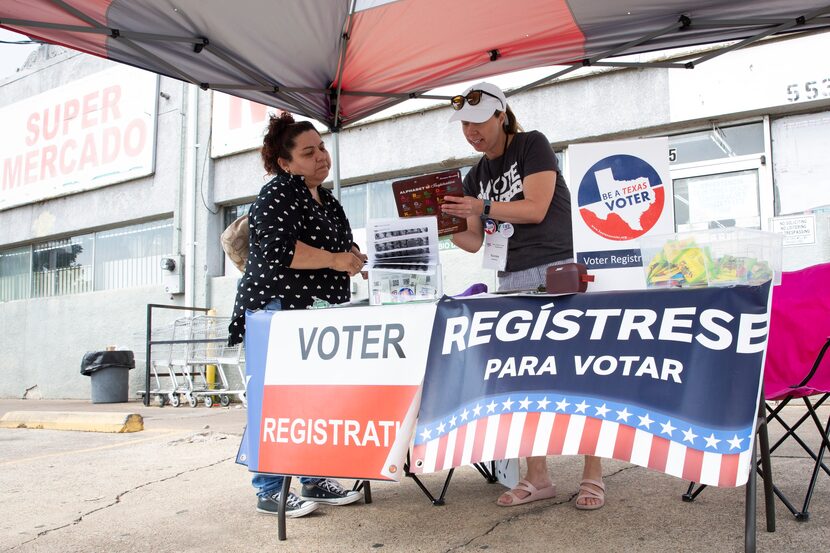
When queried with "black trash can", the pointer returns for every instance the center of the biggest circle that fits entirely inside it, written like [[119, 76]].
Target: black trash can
[[110, 374]]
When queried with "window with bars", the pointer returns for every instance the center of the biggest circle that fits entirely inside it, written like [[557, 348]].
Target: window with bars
[[124, 257]]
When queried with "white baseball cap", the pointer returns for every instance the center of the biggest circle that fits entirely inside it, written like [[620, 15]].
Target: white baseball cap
[[493, 99]]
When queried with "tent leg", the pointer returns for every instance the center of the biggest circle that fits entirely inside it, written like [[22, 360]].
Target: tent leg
[[766, 463], [286, 489], [749, 513], [335, 163]]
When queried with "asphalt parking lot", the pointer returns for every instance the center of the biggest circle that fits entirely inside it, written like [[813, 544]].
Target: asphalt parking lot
[[175, 487]]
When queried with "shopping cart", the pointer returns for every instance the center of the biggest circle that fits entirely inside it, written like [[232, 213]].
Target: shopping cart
[[217, 359], [189, 360]]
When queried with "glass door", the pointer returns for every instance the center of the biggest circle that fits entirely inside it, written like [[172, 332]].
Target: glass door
[[723, 193]]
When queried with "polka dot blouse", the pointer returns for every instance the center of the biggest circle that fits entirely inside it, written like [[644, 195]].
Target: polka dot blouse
[[283, 213]]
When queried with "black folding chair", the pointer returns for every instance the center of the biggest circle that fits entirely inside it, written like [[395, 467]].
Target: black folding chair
[[803, 390], [815, 383]]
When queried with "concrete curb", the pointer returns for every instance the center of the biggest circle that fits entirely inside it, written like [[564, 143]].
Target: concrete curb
[[80, 421]]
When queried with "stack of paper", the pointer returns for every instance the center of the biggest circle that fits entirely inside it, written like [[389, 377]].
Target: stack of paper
[[403, 260]]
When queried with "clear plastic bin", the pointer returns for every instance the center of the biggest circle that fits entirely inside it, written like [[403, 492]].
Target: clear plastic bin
[[717, 257]]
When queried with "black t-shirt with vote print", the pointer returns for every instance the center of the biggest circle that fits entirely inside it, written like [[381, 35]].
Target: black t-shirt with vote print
[[501, 180]]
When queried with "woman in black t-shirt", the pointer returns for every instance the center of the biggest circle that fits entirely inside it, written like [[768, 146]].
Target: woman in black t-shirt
[[300, 248], [515, 196]]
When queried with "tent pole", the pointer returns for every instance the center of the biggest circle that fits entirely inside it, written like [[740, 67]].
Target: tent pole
[[190, 192], [335, 162]]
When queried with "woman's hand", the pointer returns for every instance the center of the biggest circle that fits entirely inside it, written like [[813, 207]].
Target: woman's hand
[[347, 262], [462, 206], [363, 257]]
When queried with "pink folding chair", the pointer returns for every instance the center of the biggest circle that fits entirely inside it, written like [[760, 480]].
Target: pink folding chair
[[796, 367], [796, 364]]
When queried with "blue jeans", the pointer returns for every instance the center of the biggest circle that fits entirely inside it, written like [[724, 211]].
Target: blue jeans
[[267, 484]]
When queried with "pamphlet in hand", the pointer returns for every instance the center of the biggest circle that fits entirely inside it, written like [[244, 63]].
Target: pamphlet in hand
[[423, 196], [403, 260]]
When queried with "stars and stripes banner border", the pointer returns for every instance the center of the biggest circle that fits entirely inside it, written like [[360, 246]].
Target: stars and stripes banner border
[[533, 424]]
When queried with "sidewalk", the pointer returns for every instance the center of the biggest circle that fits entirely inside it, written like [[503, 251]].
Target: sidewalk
[[175, 487]]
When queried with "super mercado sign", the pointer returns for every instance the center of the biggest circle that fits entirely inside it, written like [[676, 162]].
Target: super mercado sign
[[88, 133]]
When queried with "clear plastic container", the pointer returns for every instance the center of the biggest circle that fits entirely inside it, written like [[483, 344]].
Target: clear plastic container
[[717, 257]]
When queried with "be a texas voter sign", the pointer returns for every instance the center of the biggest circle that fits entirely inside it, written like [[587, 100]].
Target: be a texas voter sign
[[334, 392], [620, 191]]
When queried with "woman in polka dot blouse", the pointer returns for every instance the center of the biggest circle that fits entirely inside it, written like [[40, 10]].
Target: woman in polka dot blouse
[[300, 241], [300, 248]]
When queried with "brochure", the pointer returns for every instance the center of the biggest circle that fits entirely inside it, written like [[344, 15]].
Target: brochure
[[423, 196]]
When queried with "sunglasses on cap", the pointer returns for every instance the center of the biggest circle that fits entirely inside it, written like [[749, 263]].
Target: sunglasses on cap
[[473, 98]]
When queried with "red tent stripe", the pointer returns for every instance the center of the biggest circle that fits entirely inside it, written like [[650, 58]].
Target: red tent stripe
[[90, 43], [404, 47], [478, 442], [467, 30]]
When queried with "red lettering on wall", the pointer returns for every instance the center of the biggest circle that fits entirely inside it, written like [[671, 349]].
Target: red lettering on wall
[[32, 125], [12, 171], [78, 138], [111, 145], [67, 168], [89, 154], [258, 112], [47, 161], [30, 165], [135, 136], [90, 116], [109, 103], [49, 134], [70, 112]]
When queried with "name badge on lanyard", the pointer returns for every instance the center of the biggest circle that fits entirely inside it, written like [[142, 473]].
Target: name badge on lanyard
[[495, 251]]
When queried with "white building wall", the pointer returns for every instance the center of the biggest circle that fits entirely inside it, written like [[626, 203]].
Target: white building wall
[[43, 340]]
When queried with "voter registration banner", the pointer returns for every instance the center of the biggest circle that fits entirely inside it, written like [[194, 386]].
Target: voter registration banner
[[334, 392], [664, 379], [623, 191]]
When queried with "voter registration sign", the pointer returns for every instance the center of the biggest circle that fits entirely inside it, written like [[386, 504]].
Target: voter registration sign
[[330, 395], [623, 192]]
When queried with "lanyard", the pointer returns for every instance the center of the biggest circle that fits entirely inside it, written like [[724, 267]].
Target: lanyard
[[497, 197]]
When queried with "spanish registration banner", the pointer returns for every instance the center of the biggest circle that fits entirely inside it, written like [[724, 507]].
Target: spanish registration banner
[[334, 392], [666, 379]]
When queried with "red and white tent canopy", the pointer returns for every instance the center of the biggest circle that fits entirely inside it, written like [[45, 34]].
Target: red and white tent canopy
[[341, 60]]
